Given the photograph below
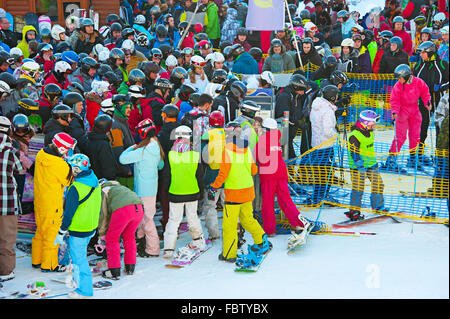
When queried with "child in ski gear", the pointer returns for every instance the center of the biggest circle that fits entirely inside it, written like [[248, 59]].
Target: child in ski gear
[[10, 208], [147, 157], [122, 212], [236, 170], [274, 181], [184, 191], [404, 107], [363, 164], [51, 175], [213, 144], [80, 219]]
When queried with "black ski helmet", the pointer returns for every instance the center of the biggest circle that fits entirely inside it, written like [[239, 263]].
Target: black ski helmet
[[103, 123], [330, 93]]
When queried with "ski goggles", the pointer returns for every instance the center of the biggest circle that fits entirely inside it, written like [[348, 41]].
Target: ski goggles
[[205, 46], [199, 64], [157, 55]]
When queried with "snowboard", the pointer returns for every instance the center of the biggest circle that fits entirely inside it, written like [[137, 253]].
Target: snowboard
[[254, 268], [12, 294], [370, 220], [294, 247], [102, 285], [184, 261]]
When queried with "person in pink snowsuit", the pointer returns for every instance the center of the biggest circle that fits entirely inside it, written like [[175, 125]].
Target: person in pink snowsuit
[[274, 181], [405, 112]]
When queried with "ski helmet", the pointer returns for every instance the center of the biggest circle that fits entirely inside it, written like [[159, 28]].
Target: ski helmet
[[146, 128]]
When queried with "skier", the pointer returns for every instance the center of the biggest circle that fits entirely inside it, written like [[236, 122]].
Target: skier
[[213, 144], [274, 181], [147, 157], [51, 175], [10, 165], [363, 164], [405, 113], [122, 212], [80, 219], [248, 110], [184, 191], [236, 170]]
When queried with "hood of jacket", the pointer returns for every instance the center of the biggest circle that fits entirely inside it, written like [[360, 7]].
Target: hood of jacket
[[321, 103], [283, 50], [87, 178], [231, 14], [91, 96], [26, 29]]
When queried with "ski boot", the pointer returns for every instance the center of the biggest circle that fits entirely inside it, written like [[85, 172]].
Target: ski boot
[[129, 269], [221, 257], [299, 234], [197, 244], [354, 215], [261, 249], [391, 165], [111, 273]]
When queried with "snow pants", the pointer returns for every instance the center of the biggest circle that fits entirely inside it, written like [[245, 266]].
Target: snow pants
[[406, 124], [148, 228], [44, 252], [232, 213], [278, 187], [8, 236], [175, 217], [358, 180], [124, 223], [81, 271], [210, 212]]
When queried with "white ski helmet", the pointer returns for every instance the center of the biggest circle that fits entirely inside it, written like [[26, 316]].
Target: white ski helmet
[[142, 40], [269, 123], [310, 27], [198, 61], [30, 68], [136, 91], [104, 31], [268, 77], [97, 49], [182, 131], [16, 53], [56, 31], [347, 43], [128, 45], [171, 61], [107, 107], [103, 55], [100, 87], [4, 87], [217, 57], [5, 124], [140, 19], [62, 67]]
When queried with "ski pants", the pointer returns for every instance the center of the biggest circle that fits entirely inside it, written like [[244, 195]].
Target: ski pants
[[321, 167], [210, 213], [175, 217], [44, 252], [81, 271], [148, 228], [8, 236], [358, 181], [406, 124], [124, 222], [232, 213], [278, 187]]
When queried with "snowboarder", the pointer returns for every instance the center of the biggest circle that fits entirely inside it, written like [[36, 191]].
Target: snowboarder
[[80, 219]]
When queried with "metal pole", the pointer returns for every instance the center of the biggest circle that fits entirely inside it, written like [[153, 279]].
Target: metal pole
[[292, 29], [186, 32]]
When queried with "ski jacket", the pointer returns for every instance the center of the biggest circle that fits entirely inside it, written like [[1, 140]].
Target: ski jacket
[[407, 41], [323, 122], [245, 64], [99, 150], [405, 97], [390, 60], [147, 161], [269, 157], [23, 45]]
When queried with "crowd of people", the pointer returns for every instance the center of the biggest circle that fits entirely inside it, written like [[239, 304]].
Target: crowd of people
[[151, 110]]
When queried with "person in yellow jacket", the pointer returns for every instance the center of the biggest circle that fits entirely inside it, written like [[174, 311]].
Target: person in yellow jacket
[[51, 175], [236, 170], [28, 33]]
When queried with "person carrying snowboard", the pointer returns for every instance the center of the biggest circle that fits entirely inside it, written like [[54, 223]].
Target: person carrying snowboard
[[236, 171], [80, 218]]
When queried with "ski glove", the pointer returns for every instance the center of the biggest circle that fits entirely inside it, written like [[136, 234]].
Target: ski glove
[[211, 193], [60, 237]]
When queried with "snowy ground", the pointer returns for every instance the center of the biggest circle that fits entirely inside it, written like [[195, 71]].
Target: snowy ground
[[402, 261]]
